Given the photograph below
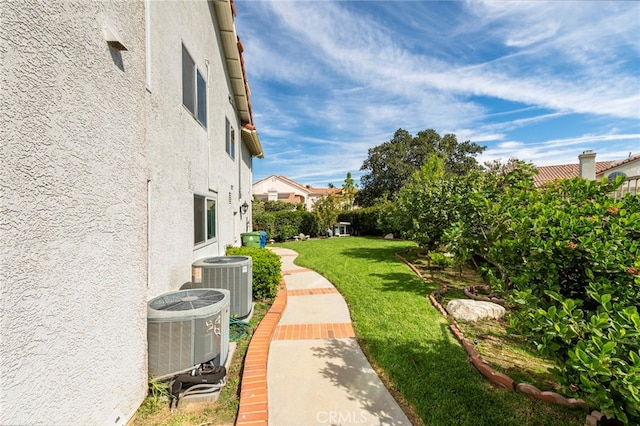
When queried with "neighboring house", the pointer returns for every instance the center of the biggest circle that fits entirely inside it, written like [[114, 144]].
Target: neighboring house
[[588, 168], [280, 188], [127, 147]]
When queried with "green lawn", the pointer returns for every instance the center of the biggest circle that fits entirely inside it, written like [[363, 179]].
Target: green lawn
[[409, 342]]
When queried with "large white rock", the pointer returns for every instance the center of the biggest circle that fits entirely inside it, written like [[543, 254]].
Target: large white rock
[[388, 237], [474, 310]]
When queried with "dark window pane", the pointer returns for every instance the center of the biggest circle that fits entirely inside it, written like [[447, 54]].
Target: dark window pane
[[198, 220], [612, 177], [188, 83], [227, 127], [211, 219], [202, 100]]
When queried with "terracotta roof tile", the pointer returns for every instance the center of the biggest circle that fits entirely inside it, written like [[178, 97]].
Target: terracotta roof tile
[[324, 191], [565, 171]]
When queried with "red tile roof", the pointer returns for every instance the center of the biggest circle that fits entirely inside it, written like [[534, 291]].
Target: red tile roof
[[566, 171]]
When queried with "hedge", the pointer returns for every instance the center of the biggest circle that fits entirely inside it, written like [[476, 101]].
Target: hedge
[[266, 270], [284, 225]]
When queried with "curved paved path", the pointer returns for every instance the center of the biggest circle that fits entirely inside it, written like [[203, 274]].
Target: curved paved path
[[304, 365]]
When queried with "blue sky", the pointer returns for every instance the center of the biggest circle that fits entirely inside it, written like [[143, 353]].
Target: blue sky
[[538, 81]]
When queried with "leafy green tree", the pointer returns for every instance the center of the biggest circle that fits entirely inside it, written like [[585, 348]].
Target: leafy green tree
[[389, 166], [349, 189], [327, 209], [423, 209]]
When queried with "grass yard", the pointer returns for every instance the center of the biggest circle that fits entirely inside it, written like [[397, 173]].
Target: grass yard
[[409, 342]]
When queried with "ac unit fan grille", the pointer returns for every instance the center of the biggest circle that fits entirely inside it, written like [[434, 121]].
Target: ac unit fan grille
[[187, 300], [225, 260]]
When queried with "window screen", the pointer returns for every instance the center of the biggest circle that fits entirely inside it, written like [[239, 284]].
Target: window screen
[[199, 225], [202, 100], [188, 86]]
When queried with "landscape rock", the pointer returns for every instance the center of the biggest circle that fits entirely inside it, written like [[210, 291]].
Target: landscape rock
[[474, 310], [388, 237]]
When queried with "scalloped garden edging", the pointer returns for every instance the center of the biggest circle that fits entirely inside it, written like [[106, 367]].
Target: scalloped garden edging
[[496, 378]]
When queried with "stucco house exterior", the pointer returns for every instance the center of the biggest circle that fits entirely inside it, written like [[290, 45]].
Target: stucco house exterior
[[127, 147], [281, 188], [588, 168]]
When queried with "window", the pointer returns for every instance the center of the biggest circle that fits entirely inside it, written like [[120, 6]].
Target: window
[[204, 219], [230, 145], [612, 177], [194, 88]]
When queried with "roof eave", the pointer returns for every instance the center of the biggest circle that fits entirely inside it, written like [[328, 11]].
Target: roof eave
[[252, 141], [232, 50]]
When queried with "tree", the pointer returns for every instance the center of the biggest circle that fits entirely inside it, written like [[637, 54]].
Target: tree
[[327, 209], [348, 192], [426, 206], [389, 166]]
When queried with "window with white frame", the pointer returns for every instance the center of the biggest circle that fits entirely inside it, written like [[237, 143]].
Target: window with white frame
[[230, 144], [194, 88], [204, 219]]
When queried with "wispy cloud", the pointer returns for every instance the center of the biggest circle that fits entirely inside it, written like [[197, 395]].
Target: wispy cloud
[[336, 78]]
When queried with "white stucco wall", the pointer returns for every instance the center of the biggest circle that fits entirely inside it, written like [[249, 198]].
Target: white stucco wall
[[185, 158], [632, 168], [245, 192], [73, 213]]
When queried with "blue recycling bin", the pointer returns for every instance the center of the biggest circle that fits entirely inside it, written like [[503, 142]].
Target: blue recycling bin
[[263, 239]]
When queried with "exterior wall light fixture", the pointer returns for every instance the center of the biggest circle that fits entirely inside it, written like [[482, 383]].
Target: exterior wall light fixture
[[244, 208]]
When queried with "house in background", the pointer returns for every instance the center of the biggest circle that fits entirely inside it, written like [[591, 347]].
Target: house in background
[[280, 188], [128, 143], [588, 168]]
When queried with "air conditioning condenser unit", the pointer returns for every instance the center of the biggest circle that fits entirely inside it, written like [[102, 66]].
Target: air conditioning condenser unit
[[233, 273], [186, 328]]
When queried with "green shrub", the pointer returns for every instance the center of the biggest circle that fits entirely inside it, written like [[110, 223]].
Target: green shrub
[[266, 270], [309, 224], [284, 225], [265, 222], [570, 255], [439, 260], [278, 206], [363, 221]]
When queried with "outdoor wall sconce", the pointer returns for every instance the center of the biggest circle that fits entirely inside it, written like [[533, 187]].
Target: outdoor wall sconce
[[244, 208]]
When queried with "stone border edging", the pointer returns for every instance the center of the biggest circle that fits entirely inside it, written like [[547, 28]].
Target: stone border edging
[[253, 408], [496, 378]]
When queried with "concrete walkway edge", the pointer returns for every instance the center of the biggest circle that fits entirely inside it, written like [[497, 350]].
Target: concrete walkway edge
[[304, 365]]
